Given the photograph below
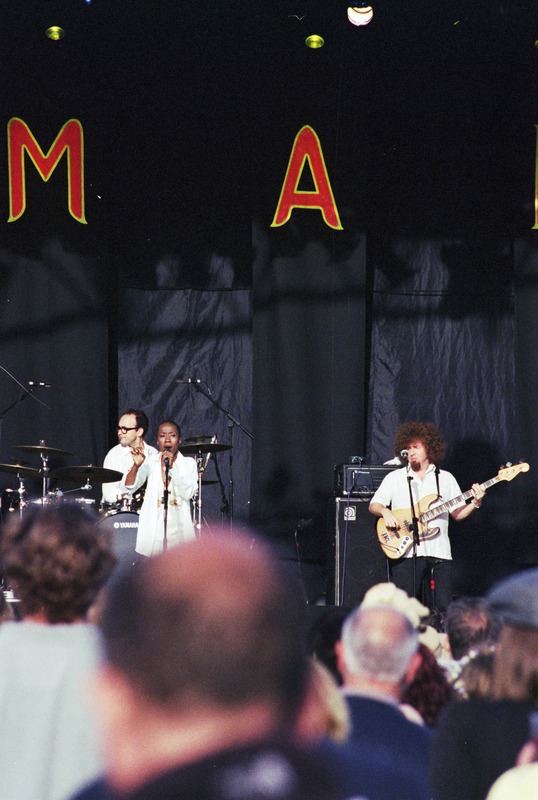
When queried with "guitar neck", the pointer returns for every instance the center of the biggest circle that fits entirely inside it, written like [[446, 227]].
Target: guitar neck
[[456, 501]]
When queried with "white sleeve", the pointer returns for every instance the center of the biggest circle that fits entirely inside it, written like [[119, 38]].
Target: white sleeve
[[184, 475]]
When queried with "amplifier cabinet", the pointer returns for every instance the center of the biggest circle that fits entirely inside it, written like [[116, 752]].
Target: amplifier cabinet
[[360, 480], [355, 559]]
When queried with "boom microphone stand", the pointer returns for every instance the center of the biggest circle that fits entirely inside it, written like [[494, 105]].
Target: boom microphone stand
[[204, 389], [165, 504], [414, 528]]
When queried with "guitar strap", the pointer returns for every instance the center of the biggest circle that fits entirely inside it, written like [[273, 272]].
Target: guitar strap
[[437, 472]]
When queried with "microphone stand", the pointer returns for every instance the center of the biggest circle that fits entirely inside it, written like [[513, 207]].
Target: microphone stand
[[231, 422], [165, 505], [24, 394], [414, 528]]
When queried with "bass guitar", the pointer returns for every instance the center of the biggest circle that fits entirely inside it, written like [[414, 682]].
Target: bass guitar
[[396, 542]]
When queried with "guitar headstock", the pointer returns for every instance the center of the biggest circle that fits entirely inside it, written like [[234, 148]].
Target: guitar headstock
[[510, 471]]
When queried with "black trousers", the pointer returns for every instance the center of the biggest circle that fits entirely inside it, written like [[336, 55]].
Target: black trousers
[[433, 579]]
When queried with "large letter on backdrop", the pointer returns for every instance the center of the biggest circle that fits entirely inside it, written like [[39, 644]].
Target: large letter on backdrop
[[307, 147], [70, 138]]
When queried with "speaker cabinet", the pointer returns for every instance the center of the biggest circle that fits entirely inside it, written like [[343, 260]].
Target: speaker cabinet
[[356, 561]]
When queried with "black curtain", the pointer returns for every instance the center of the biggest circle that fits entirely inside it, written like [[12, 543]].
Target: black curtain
[[308, 375]]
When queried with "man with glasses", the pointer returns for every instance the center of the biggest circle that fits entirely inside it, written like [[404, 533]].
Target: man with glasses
[[132, 427]]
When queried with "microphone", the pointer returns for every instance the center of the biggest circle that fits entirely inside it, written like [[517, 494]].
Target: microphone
[[188, 380], [43, 384], [166, 463], [404, 454]]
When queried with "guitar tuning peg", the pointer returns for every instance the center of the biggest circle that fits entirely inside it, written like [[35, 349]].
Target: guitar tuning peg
[[508, 463]]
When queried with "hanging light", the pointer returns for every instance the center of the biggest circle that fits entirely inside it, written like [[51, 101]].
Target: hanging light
[[55, 33], [361, 14], [314, 41]]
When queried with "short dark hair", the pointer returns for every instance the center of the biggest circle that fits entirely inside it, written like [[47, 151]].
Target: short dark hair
[[425, 432], [213, 621], [142, 420], [171, 422], [56, 560], [468, 623]]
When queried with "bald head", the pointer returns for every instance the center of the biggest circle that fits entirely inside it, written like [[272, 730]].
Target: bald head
[[378, 644], [212, 621]]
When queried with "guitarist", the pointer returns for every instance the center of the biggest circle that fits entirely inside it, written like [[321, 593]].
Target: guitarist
[[425, 450]]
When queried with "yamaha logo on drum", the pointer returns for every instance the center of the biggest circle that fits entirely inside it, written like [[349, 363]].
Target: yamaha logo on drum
[[126, 524]]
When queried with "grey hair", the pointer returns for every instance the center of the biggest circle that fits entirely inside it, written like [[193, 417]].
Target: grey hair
[[376, 651]]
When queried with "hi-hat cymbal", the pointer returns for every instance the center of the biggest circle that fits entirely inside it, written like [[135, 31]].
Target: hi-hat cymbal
[[204, 447], [41, 449], [88, 473], [19, 469], [198, 439]]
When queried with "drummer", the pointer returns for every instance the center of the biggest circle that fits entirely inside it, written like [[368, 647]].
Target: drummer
[[132, 427]]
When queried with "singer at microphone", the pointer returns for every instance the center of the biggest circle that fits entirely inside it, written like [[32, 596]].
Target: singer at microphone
[[172, 478]]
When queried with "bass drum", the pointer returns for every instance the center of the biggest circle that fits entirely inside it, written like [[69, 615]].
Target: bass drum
[[123, 528]]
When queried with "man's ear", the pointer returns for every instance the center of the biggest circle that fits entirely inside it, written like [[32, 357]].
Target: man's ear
[[340, 659], [413, 666]]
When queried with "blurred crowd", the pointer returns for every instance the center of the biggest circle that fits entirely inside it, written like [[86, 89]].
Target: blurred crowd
[[198, 673]]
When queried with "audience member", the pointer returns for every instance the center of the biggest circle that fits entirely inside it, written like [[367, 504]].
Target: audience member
[[204, 673], [469, 622], [56, 561], [477, 740], [475, 681], [376, 653], [519, 783], [324, 713], [427, 690], [322, 636]]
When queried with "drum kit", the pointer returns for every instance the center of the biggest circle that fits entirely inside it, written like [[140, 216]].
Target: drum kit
[[200, 447]]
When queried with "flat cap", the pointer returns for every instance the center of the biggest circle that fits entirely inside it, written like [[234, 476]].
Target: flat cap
[[515, 599]]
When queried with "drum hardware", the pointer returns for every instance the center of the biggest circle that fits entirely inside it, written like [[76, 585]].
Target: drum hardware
[[200, 447], [203, 447], [41, 449], [89, 474], [44, 452], [20, 470], [123, 529]]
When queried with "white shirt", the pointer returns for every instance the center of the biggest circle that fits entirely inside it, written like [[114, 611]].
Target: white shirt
[[121, 460], [183, 486], [49, 746], [394, 493]]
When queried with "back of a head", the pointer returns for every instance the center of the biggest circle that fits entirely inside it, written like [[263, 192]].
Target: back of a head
[[56, 560], [378, 643], [515, 601], [469, 623], [212, 622]]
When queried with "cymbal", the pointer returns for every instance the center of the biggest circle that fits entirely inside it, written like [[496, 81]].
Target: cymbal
[[19, 469], [90, 473], [198, 439], [38, 448], [204, 447]]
